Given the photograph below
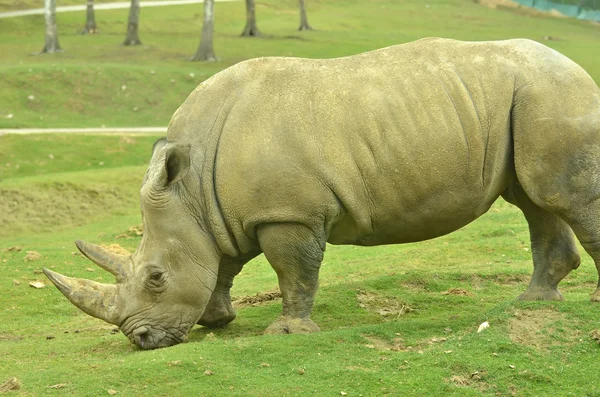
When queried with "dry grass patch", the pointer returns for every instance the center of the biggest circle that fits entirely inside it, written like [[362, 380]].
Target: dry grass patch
[[538, 328], [387, 307]]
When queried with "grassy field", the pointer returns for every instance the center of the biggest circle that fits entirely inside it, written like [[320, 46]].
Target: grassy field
[[395, 320]]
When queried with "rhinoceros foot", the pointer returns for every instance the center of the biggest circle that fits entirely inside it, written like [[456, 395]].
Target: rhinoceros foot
[[539, 294], [289, 325], [596, 295]]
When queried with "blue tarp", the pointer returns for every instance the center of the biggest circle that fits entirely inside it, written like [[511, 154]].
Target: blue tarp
[[569, 10]]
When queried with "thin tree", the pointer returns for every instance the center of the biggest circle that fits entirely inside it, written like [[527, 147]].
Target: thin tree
[[205, 50], [90, 19], [251, 30], [303, 18], [133, 22], [51, 40]]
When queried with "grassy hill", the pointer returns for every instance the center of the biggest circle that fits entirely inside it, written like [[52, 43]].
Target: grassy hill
[[395, 320]]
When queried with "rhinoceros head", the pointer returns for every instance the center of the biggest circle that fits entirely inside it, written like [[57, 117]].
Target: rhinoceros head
[[163, 288]]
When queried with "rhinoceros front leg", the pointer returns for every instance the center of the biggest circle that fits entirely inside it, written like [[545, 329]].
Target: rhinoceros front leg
[[552, 246], [219, 311], [295, 254]]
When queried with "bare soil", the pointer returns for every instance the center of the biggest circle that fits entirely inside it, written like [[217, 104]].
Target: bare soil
[[116, 249], [538, 328], [387, 307], [256, 299]]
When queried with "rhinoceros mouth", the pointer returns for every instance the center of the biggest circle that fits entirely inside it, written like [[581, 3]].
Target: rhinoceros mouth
[[148, 337]]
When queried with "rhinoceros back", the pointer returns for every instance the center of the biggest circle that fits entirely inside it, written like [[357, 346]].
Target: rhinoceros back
[[400, 144]]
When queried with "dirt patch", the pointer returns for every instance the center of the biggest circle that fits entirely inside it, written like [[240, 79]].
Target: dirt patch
[[116, 249], [475, 380], [595, 335], [457, 291], [46, 207], [507, 279], [133, 231], [32, 256], [384, 306], [256, 299], [398, 344], [538, 328], [10, 384]]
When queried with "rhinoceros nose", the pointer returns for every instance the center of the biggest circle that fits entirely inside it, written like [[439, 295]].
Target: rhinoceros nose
[[140, 337]]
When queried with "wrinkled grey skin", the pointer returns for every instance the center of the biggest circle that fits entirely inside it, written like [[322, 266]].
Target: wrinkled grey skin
[[407, 143]]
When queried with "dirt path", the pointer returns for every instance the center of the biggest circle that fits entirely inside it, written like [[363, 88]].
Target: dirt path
[[103, 6], [102, 131]]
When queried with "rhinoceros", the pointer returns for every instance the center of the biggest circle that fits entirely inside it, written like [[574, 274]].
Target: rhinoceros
[[282, 155]]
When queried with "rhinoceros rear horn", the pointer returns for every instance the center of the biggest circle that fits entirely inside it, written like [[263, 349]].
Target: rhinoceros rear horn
[[96, 299], [113, 263]]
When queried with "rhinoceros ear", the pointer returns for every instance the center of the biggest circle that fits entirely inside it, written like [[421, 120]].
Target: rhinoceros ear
[[177, 163], [159, 144]]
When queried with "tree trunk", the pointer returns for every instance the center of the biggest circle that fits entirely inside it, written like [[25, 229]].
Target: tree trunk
[[51, 42], [205, 50], [251, 29], [303, 18], [90, 19], [132, 24]]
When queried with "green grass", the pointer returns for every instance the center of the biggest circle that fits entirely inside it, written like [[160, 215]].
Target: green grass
[[55, 189]]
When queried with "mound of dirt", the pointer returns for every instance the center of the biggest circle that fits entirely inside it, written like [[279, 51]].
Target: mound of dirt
[[116, 249], [256, 299]]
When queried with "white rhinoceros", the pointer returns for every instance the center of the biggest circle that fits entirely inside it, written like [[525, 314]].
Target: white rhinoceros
[[406, 143]]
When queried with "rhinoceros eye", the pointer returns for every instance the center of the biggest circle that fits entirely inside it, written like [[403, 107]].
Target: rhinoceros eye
[[156, 276]]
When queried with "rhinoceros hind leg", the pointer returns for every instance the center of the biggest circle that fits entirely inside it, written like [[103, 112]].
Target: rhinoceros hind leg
[[295, 253], [552, 245], [585, 221], [219, 311]]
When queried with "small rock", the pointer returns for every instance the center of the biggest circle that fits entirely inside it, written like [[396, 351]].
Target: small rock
[[301, 371], [51, 156], [9, 116], [343, 393], [13, 249], [511, 366], [32, 256], [123, 87], [37, 284], [208, 372], [265, 365], [31, 97], [112, 392], [10, 384], [16, 282], [192, 75], [483, 326]]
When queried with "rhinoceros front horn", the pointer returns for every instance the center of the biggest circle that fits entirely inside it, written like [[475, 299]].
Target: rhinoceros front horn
[[113, 263], [96, 299]]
